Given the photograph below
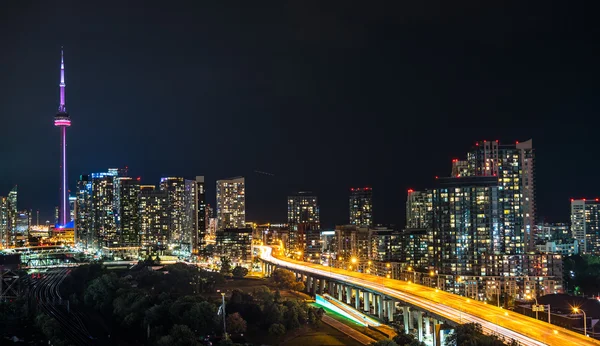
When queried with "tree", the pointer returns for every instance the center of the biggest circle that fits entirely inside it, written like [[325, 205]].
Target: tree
[[239, 272], [49, 327], [277, 329], [235, 323], [384, 342], [285, 279], [225, 265], [101, 292], [179, 335]]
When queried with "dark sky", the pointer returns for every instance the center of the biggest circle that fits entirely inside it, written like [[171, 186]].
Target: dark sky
[[324, 95]]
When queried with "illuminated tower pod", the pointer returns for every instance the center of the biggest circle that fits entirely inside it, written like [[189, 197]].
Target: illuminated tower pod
[[62, 121]]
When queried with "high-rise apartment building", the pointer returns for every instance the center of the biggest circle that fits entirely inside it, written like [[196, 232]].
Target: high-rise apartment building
[[154, 218], [585, 224], [514, 166], [23, 224], [231, 203], [465, 224], [4, 223], [303, 208], [175, 187], [235, 244], [12, 216], [418, 209], [83, 217], [303, 217], [385, 244], [201, 227], [127, 214], [361, 206], [104, 226]]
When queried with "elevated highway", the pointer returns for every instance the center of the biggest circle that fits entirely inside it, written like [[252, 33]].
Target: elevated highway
[[384, 297]]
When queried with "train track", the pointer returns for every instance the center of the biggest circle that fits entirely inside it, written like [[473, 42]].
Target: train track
[[46, 295]]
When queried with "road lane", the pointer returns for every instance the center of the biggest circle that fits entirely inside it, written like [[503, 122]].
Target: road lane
[[526, 330]]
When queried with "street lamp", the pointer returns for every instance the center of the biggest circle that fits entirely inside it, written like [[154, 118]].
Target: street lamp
[[576, 310], [224, 317], [536, 306]]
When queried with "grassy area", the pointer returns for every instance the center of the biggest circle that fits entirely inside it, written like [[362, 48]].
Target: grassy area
[[322, 335], [345, 320]]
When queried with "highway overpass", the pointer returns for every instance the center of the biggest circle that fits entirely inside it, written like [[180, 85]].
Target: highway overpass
[[424, 306]]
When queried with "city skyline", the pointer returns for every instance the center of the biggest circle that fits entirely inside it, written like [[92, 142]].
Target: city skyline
[[128, 98]]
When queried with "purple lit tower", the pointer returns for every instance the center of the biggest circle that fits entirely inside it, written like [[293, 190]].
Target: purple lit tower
[[62, 121]]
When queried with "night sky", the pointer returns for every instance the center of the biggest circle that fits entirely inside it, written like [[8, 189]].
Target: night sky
[[325, 96]]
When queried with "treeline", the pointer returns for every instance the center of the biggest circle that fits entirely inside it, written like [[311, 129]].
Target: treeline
[[170, 306]]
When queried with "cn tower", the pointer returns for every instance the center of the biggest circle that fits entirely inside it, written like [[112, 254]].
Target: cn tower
[[62, 121]]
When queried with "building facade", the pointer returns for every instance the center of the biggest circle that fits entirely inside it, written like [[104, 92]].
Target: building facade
[[231, 203], [465, 224], [175, 189], [585, 224], [418, 209], [235, 244], [201, 231], [154, 219], [361, 206]]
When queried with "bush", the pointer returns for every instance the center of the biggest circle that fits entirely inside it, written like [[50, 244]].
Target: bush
[[277, 329]]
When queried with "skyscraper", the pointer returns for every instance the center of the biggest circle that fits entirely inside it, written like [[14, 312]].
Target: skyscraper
[[303, 208], [175, 187], [12, 216], [154, 216], [128, 218], [361, 206], [83, 215], [231, 203], [190, 217], [465, 224], [303, 217], [3, 222], [62, 120], [104, 226], [418, 209], [513, 164], [585, 224], [202, 219]]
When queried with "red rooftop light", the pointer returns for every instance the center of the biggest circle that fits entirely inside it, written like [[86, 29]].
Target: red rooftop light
[[572, 199], [410, 191]]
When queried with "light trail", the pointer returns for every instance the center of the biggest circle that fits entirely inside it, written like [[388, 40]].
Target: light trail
[[508, 324]]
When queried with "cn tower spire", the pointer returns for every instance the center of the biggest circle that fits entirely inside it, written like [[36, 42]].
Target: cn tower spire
[[62, 121], [62, 106]]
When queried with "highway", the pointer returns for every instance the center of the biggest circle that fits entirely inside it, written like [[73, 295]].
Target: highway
[[45, 294], [527, 331]]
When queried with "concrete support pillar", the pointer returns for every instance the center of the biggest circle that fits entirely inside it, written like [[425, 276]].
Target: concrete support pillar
[[357, 300], [321, 286], [349, 295], [379, 307], [331, 288], [391, 309], [420, 325], [340, 291], [406, 317], [367, 301], [411, 319], [314, 287], [308, 283], [427, 327]]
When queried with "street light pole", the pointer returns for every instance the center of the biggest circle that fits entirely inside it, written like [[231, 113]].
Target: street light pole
[[224, 317], [536, 307], [584, 320]]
